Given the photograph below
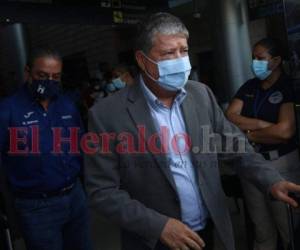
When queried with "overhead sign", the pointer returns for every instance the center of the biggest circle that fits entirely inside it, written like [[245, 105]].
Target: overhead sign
[[132, 11], [79, 11], [29, 1]]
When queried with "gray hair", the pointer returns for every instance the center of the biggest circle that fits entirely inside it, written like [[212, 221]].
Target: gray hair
[[159, 23]]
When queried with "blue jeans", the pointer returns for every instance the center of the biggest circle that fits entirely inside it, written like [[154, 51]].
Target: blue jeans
[[58, 223]]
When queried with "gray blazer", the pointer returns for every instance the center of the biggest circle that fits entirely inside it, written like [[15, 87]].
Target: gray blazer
[[137, 190]]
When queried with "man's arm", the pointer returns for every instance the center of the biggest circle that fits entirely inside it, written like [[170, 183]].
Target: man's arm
[[249, 164], [103, 186]]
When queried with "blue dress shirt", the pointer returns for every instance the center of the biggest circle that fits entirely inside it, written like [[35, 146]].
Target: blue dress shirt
[[193, 210]]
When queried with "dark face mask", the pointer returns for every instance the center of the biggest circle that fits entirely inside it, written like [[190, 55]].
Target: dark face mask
[[45, 89]]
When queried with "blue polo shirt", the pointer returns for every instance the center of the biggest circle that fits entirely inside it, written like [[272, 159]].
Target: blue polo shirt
[[265, 104], [27, 132]]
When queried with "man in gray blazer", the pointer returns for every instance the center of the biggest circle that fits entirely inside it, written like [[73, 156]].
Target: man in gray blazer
[[152, 167]]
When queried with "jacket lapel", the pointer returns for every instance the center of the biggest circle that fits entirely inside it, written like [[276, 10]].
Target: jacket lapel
[[140, 113], [191, 119], [194, 125]]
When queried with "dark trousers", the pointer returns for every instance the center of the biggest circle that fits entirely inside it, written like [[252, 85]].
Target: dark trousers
[[57, 223], [207, 235]]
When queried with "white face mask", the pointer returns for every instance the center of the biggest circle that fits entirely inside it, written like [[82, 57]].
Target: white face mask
[[173, 73]]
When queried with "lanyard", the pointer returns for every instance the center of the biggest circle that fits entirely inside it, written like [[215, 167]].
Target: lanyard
[[258, 105]]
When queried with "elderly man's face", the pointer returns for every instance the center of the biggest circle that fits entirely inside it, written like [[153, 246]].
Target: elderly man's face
[[164, 47]]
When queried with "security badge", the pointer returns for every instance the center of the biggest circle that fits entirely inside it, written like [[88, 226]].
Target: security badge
[[276, 97]]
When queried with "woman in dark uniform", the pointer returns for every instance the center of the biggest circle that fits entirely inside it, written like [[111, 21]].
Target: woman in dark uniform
[[263, 109]]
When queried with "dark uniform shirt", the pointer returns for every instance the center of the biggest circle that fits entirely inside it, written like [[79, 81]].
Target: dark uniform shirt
[[39, 169], [264, 104]]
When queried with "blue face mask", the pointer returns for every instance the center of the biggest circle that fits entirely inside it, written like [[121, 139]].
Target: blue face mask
[[45, 89], [110, 87], [260, 69], [173, 73], [118, 83]]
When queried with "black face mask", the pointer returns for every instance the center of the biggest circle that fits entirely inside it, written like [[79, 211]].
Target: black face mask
[[45, 89]]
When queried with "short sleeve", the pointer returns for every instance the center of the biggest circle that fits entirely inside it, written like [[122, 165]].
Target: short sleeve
[[242, 91], [288, 93]]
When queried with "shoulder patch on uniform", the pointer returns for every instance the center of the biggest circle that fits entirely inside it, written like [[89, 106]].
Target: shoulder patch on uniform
[[276, 97]]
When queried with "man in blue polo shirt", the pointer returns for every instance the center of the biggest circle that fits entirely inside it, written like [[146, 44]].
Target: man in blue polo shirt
[[39, 134]]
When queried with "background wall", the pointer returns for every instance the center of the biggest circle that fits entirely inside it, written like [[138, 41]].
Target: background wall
[[106, 43]]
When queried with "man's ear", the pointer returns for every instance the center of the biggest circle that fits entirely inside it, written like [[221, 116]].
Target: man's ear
[[139, 57]]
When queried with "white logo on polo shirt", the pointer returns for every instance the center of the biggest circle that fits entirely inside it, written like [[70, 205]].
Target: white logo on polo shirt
[[41, 89], [66, 117], [30, 122], [28, 114]]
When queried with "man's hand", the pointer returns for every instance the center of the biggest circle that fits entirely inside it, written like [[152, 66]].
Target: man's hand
[[178, 236], [281, 189]]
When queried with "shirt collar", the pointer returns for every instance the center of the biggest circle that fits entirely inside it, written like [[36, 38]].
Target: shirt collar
[[281, 80], [26, 96], [155, 102]]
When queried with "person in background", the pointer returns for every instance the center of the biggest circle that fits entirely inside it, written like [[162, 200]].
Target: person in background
[[122, 74], [163, 193], [49, 198], [119, 78], [98, 91], [109, 87], [264, 109]]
